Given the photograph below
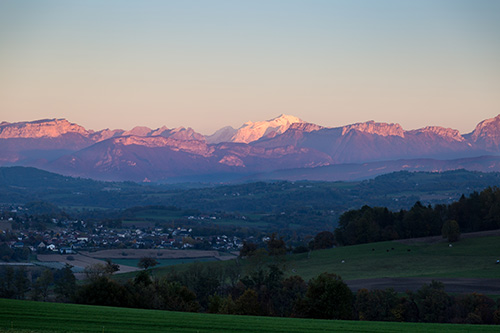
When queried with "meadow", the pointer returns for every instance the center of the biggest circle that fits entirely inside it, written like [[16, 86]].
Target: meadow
[[411, 265], [162, 262], [29, 316], [467, 258]]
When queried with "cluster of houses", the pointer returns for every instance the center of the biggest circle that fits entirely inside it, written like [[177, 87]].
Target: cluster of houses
[[68, 237]]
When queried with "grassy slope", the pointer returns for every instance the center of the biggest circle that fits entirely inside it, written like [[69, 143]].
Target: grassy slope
[[468, 258], [471, 258], [28, 316]]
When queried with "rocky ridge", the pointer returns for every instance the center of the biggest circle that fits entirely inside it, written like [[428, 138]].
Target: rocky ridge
[[284, 142]]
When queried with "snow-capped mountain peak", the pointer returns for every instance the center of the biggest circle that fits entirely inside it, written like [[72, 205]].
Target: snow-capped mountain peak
[[252, 131], [487, 133]]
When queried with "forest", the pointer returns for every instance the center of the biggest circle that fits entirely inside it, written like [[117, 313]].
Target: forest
[[477, 212]]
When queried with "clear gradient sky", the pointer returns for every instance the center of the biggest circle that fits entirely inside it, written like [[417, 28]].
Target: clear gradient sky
[[208, 64]]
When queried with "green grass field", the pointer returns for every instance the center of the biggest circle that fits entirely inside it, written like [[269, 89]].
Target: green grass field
[[162, 262], [468, 258], [28, 316]]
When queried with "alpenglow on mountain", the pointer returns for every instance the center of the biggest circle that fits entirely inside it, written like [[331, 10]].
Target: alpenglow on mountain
[[251, 131], [285, 147]]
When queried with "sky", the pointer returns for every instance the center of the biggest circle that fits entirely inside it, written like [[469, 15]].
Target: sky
[[209, 64]]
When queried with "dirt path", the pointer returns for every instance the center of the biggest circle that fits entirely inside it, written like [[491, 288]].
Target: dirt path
[[452, 285]]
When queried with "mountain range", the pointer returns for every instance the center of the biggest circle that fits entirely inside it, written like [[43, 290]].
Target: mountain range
[[285, 147]]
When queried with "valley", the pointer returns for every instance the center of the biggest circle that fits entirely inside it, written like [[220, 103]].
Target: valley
[[249, 166], [258, 223]]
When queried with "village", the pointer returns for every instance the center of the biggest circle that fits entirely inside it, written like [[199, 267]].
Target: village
[[28, 235]]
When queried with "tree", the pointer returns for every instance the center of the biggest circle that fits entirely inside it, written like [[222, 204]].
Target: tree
[[7, 286], [323, 240], [248, 249], [293, 288], [226, 305], [143, 278], [248, 304], [42, 283], [215, 303], [111, 267], [474, 309], [147, 262], [65, 282], [327, 297], [232, 272], [6, 253], [103, 291], [204, 281], [451, 230], [22, 283], [376, 305], [406, 310], [276, 246], [176, 297], [258, 260], [433, 303], [96, 271]]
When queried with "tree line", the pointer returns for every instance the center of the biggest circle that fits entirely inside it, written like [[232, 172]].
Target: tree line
[[265, 291], [477, 212]]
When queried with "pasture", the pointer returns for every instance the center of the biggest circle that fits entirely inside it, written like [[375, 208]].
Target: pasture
[[29, 316], [467, 258], [400, 264], [162, 262]]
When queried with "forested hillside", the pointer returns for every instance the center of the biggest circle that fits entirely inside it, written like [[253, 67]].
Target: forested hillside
[[397, 190], [477, 212]]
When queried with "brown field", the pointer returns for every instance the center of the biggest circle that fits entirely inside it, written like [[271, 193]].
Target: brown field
[[84, 258], [79, 261], [452, 285], [154, 253]]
